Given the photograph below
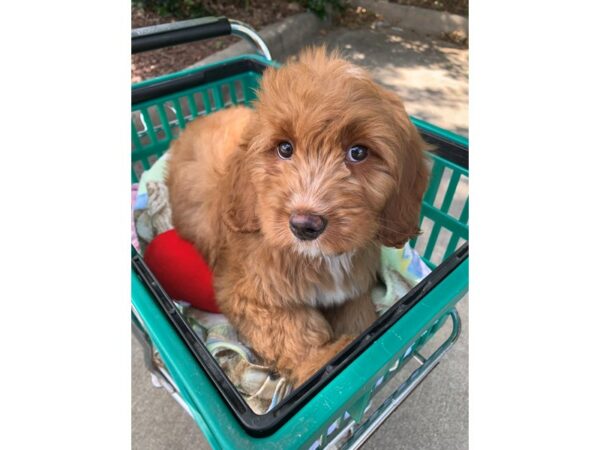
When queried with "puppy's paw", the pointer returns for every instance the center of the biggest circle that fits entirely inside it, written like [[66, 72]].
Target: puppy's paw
[[318, 358]]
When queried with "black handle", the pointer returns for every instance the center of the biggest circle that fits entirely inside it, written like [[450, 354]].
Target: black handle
[[168, 34]]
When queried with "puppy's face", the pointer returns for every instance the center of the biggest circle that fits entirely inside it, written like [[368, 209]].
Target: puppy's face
[[334, 161]]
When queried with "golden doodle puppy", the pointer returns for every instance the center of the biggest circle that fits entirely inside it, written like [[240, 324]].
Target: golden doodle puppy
[[290, 202]]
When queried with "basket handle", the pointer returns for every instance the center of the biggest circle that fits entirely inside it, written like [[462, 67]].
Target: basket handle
[[175, 33]]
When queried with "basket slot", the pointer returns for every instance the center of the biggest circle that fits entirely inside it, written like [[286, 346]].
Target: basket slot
[[179, 113], [207, 103], [203, 103], [439, 220], [192, 104], [147, 152], [454, 179], [173, 120], [454, 240], [327, 434], [334, 426], [460, 197], [245, 91], [145, 163], [218, 97], [247, 88], [149, 126], [449, 222], [426, 227], [164, 122], [447, 200], [435, 231], [316, 445], [442, 243], [436, 177], [225, 92], [464, 216], [152, 159], [135, 139], [232, 93], [239, 91], [442, 188], [429, 197], [136, 171]]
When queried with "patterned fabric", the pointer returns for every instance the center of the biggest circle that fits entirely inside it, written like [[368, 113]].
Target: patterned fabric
[[155, 218], [401, 269], [261, 388], [134, 238], [157, 172]]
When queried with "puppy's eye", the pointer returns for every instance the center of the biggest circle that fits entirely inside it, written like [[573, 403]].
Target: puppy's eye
[[357, 153], [285, 150]]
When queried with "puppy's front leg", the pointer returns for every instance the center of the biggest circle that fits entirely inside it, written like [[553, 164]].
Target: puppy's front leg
[[353, 316], [297, 340]]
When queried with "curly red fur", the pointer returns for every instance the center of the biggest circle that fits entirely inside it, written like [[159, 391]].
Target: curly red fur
[[298, 303]]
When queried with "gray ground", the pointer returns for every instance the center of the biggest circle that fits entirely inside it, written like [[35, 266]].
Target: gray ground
[[432, 77]]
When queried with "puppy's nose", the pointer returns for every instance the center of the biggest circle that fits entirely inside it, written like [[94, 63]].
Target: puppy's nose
[[307, 227]]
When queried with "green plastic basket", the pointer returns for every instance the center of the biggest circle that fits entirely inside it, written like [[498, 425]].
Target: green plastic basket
[[342, 402]]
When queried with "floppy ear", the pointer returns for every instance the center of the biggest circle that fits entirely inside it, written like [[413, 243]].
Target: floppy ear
[[399, 221], [239, 210]]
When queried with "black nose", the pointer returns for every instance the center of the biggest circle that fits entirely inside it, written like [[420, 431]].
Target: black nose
[[307, 227]]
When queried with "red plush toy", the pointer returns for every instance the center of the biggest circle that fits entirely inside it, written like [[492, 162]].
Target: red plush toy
[[181, 270]]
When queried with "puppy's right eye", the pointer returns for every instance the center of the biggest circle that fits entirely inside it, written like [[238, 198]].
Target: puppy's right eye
[[285, 150]]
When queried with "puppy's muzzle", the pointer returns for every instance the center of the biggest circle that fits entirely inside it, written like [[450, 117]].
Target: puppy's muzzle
[[307, 227]]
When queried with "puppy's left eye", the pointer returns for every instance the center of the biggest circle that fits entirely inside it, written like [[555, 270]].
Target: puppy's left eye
[[285, 150], [357, 153]]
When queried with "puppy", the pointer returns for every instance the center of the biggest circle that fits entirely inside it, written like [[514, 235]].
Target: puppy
[[290, 202]]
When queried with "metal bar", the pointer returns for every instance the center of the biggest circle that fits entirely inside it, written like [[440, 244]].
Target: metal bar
[[142, 337], [241, 29], [420, 358], [160, 376], [165, 381], [390, 405], [169, 34], [333, 445]]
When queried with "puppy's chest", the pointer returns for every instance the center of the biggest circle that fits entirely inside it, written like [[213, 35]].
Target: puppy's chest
[[337, 279]]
